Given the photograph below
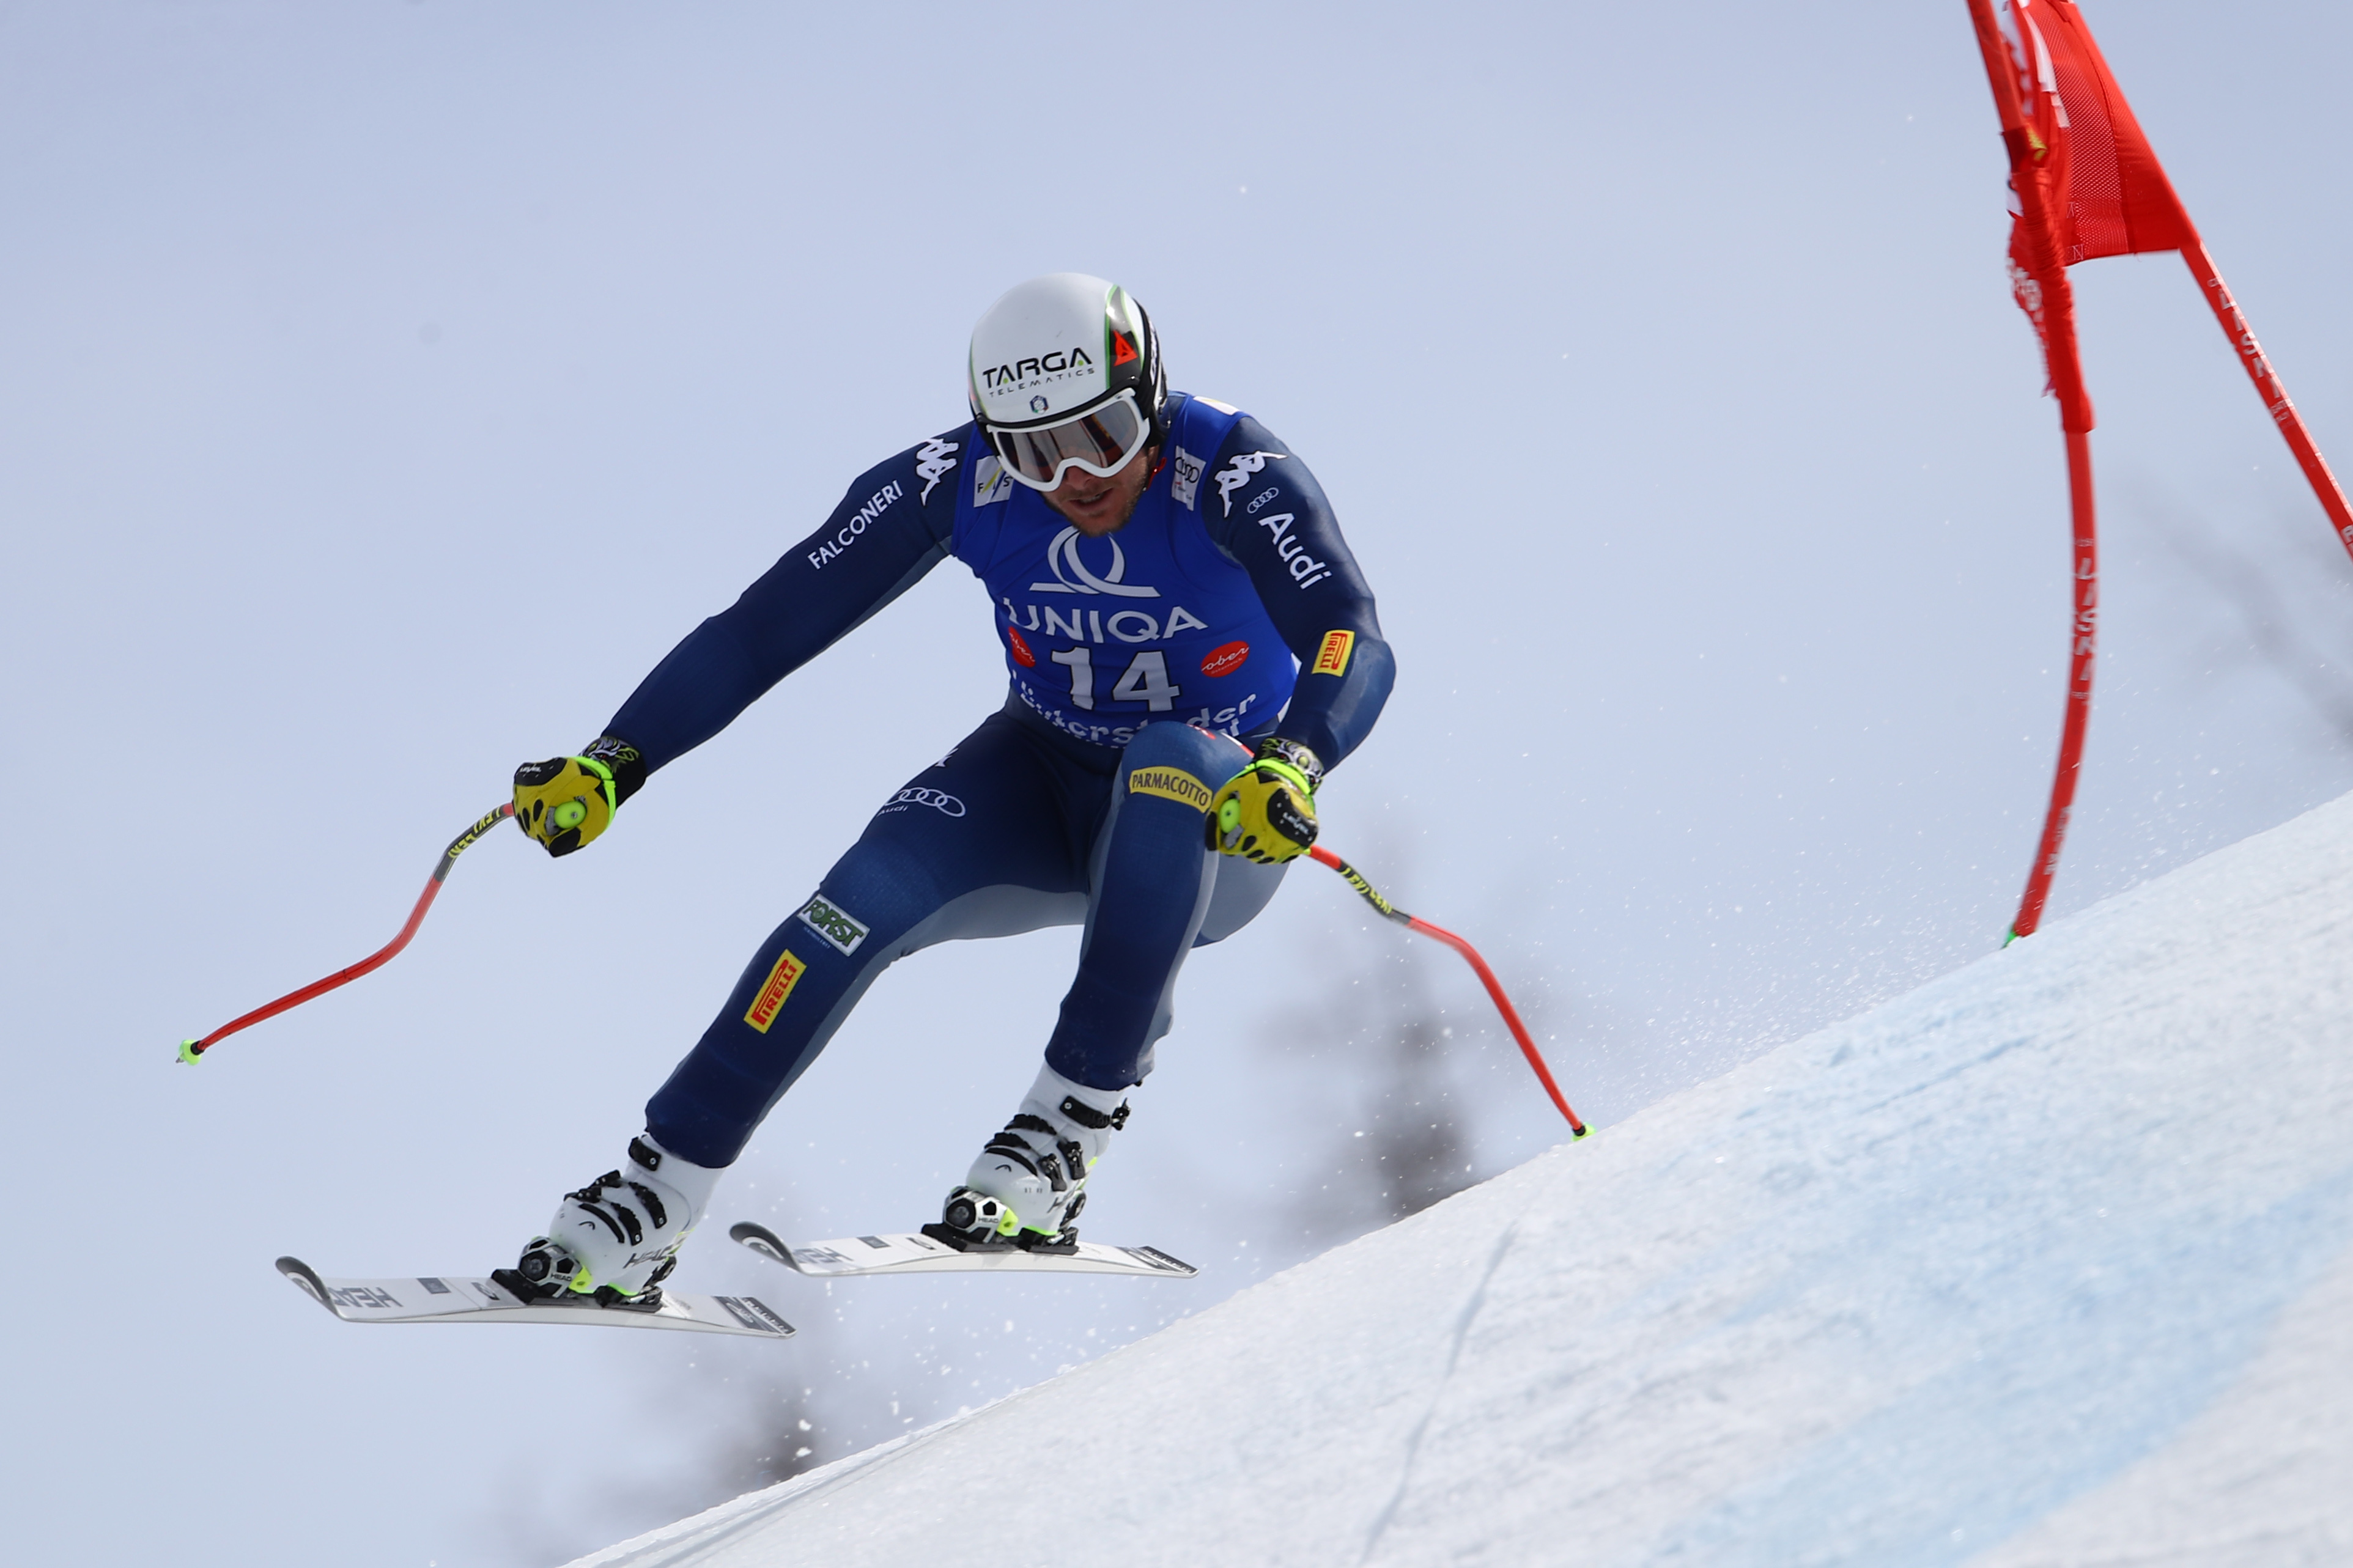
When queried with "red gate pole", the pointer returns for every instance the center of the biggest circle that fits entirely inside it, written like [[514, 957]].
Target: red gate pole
[[2081, 653], [2269, 388], [2039, 275]]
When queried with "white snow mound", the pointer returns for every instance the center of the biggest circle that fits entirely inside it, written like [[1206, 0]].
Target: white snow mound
[[2050, 1262]]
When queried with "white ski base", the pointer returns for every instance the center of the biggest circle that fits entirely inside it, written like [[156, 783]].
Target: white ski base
[[903, 1254], [453, 1299]]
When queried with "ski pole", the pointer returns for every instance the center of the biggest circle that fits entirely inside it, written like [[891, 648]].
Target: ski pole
[[1324, 857], [190, 1050]]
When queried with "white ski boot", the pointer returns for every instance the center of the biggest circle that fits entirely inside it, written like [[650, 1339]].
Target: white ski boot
[[1030, 1182], [618, 1238]]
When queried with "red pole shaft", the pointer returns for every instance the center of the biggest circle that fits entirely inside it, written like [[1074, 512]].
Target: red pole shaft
[[1511, 1016], [1324, 857], [191, 1049], [2042, 289], [2002, 73], [374, 961], [2081, 652], [2269, 388]]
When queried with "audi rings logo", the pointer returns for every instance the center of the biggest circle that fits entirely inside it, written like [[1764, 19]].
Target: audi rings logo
[[938, 800], [1071, 576]]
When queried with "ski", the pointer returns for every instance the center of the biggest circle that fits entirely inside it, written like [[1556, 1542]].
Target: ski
[[454, 1299], [904, 1254]]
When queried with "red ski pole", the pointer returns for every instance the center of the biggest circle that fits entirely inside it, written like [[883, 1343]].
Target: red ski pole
[[1389, 911], [190, 1050]]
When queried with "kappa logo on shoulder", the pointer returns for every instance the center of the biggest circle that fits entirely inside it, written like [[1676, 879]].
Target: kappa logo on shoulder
[[932, 464], [828, 920], [1237, 474]]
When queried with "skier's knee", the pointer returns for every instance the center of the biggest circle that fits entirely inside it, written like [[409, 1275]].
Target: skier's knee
[[1209, 759], [1244, 889]]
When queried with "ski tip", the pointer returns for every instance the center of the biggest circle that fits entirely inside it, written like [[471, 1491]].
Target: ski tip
[[762, 1241], [306, 1279], [190, 1052]]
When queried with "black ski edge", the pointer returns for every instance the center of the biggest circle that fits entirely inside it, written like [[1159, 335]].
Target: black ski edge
[[307, 1278]]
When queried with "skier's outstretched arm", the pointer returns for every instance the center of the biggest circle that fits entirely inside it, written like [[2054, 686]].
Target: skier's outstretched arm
[[893, 525]]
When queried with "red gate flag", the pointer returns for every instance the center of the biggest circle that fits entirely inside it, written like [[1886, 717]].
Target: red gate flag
[[2087, 186], [2114, 198]]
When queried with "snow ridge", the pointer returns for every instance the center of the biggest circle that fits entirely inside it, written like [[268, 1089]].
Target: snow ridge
[[2050, 1262], [1453, 1355]]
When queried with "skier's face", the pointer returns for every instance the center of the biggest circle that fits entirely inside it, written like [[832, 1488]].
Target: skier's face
[[1099, 506]]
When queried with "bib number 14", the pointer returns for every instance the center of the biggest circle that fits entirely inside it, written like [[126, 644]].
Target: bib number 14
[[1146, 679]]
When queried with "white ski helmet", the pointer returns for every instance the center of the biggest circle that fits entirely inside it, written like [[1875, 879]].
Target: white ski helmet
[[1065, 373]]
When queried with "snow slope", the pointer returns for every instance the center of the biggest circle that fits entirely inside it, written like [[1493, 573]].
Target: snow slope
[[2050, 1262]]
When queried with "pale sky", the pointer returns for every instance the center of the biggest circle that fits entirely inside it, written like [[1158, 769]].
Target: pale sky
[[387, 386]]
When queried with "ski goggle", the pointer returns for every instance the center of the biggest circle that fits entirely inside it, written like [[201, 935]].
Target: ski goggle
[[1103, 441]]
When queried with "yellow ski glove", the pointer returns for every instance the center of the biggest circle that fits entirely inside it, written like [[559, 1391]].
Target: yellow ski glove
[[1266, 812], [564, 801]]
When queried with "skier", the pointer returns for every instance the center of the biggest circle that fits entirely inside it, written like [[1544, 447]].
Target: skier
[[1190, 646]]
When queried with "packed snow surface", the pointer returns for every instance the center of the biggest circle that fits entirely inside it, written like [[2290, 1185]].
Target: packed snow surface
[[2046, 1263]]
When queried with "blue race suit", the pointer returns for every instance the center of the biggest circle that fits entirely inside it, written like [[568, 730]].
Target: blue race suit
[[1141, 664]]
